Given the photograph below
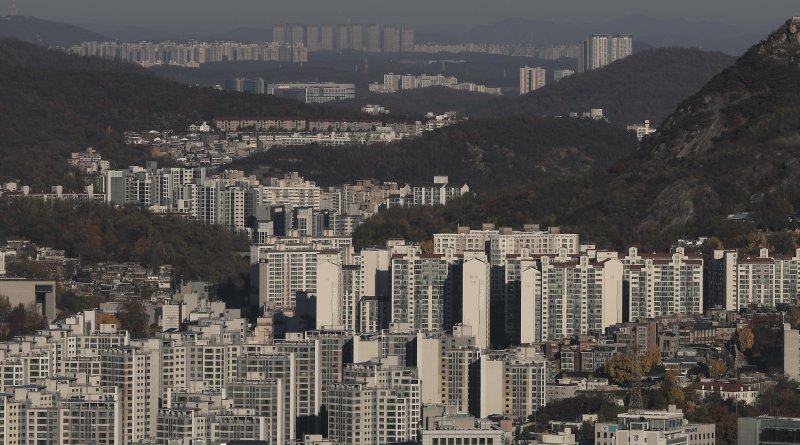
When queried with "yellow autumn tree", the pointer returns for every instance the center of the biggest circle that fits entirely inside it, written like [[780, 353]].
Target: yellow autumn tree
[[746, 339], [624, 367], [716, 368], [108, 318]]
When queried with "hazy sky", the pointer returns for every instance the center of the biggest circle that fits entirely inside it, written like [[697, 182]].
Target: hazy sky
[[429, 14]]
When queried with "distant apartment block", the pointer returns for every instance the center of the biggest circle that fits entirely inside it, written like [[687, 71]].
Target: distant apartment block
[[370, 38], [313, 92], [393, 83], [192, 54], [560, 74], [600, 50], [89, 161], [531, 79]]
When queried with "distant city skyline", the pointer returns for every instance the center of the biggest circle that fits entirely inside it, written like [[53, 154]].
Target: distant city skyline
[[440, 14]]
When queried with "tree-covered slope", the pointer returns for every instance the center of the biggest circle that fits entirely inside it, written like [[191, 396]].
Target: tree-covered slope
[[486, 154], [646, 85], [53, 104], [732, 147]]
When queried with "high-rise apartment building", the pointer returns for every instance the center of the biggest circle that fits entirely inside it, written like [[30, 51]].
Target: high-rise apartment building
[[663, 284], [279, 33], [739, 281], [599, 50], [513, 382], [448, 367], [279, 275], [292, 190], [342, 38], [560, 74], [312, 38], [423, 290], [357, 37], [391, 39], [475, 297], [565, 296], [377, 402], [136, 371], [531, 79], [326, 38], [372, 42], [265, 384], [407, 39]]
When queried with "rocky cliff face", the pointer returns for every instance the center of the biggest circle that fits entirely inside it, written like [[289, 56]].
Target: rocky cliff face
[[733, 146]]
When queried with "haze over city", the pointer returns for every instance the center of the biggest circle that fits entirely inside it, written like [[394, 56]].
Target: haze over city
[[441, 222], [435, 14]]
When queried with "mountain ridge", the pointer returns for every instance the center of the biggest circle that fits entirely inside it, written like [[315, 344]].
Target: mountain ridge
[[45, 32], [731, 148]]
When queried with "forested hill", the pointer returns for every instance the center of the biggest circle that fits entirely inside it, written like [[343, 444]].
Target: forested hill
[[45, 32], [732, 147], [646, 85], [486, 154], [54, 104]]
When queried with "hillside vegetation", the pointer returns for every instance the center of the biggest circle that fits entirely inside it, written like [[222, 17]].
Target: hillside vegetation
[[485, 154], [54, 104], [732, 147], [45, 32], [95, 233], [646, 85]]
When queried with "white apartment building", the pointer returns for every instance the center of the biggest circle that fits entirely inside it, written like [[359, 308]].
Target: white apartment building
[[280, 273], [432, 292], [791, 352], [564, 296], [560, 74], [438, 193], [531, 79], [420, 297], [136, 371], [505, 241], [663, 284], [741, 280], [513, 382], [376, 403], [61, 411], [267, 384], [293, 190], [475, 296], [600, 50], [448, 368], [338, 293]]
